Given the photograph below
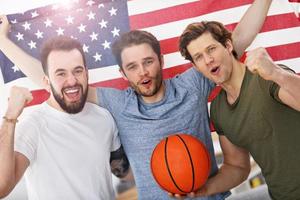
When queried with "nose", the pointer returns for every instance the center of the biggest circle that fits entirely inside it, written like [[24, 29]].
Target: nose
[[71, 80], [208, 58], [143, 70]]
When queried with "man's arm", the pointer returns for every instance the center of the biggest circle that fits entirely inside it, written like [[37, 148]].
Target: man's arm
[[30, 66], [119, 164], [13, 164], [250, 25], [259, 61], [234, 170]]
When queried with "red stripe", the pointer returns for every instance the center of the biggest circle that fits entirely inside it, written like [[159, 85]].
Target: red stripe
[[180, 12], [283, 52], [39, 96], [275, 22], [294, 1]]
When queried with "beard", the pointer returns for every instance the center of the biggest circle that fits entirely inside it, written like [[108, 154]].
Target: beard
[[73, 107], [149, 93]]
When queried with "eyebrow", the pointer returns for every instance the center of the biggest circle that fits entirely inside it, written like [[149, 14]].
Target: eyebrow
[[62, 70]]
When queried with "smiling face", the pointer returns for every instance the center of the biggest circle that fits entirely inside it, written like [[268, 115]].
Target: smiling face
[[211, 58], [143, 70], [67, 80]]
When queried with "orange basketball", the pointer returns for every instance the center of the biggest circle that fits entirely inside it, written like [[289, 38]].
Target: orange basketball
[[180, 164]]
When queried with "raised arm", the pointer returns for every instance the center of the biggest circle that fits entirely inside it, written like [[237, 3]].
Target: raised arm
[[13, 164], [250, 25], [30, 66], [234, 170], [259, 61]]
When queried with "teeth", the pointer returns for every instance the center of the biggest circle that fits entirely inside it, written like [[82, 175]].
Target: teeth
[[71, 91]]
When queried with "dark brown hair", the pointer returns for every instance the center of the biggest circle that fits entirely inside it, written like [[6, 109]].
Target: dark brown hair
[[59, 43], [135, 37], [195, 30]]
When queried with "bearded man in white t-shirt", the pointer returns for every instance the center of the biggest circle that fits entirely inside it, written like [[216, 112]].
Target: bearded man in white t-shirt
[[66, 147]]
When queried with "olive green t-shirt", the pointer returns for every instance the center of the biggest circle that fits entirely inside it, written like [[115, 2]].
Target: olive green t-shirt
[[270, 130]]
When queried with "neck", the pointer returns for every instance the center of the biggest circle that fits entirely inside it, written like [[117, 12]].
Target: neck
[[158, 96], [234, 84]]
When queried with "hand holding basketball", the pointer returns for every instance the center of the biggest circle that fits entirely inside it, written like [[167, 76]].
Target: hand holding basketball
[[180, 164]]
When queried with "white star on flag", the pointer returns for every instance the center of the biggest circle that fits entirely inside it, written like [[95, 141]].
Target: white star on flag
[[115, 32], [94, 36], [106, 45], [48, 23], [81, 28], [32, 44], [97, 57], [60, 31], [15, 68], [34, 14], [90, 3], [113, 11], [103, 23], [70, 19], [20, 36], [85, 48], [26, 26], [91, 15], [39, 34]]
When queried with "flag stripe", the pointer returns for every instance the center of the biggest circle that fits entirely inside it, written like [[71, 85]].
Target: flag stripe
[[189, 10], [171, 44]]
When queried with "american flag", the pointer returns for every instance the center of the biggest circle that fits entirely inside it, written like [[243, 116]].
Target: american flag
[[98, 23]]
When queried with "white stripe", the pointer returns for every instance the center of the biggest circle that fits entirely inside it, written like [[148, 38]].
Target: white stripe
[[277, 37], [228, 16], [104, 73], [143, 6], [292, 63]]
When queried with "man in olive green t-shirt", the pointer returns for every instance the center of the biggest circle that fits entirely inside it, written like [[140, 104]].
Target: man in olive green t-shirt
[[258, 106]]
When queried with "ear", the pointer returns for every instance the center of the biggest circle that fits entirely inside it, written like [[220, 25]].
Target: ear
[[162, 61], [229, 45], [123, 74], [46, 82]]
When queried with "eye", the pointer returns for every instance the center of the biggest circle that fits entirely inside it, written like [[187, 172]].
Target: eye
[[61, 74], [78, 71], [198, 58], [148, 62], [131, 67], [211, 49]]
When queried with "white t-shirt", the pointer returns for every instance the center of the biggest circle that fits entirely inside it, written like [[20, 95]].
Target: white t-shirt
[[68, 153]]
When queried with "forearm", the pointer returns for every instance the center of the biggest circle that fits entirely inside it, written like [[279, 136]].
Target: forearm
[[227, 178], [7, 160], [29, 65], [250, 25], [289, 84]]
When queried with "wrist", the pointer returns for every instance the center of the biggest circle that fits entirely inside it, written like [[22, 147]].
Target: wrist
[[10, 120]]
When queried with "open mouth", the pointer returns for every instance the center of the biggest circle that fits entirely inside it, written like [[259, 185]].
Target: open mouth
[[145, 82], [214, 70], [72, 93]]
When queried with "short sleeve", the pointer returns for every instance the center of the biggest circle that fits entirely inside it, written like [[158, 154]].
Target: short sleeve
[[194, 79], [116, 144], [214, 118], [26, 138]]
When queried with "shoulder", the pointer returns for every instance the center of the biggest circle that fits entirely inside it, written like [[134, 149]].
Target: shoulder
[[193, 79]]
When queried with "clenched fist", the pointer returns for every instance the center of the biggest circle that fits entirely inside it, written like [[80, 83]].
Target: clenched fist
[[259, 61], [18, 98]]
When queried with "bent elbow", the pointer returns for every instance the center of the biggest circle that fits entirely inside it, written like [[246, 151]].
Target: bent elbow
[[5, 190]]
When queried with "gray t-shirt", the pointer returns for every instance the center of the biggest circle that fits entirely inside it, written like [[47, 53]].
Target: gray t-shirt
[[141, 126]]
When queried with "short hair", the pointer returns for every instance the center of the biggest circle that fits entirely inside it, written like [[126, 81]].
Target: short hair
[[59, 43], [135, 37], [195, 30]]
